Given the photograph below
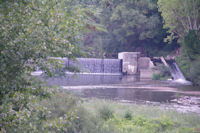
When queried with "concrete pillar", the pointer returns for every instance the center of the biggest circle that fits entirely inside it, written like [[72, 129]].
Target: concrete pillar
[[130, 62]]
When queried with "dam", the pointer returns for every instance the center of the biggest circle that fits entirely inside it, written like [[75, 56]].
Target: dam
[[129, 67], [95, 66]]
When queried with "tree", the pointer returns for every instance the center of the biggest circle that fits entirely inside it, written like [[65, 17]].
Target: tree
[[180, 16], [131, 25], [30, 33]]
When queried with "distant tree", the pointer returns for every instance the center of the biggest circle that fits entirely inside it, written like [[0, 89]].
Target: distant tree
[[131, 25]]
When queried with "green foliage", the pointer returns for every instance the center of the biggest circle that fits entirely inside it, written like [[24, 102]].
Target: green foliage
[[156, 76], [180, 16], [164, 72], [105, 112], [75, 119], [194, 74], [31, 32], [191, 44], [128, 115], [131, 25], [189, 59], [145, 119]]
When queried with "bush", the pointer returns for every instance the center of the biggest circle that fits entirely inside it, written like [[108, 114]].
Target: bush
[[194, 74], [128, 115], [105, 112], [164, 72], [76, 119], [191, 44], [156, 76]]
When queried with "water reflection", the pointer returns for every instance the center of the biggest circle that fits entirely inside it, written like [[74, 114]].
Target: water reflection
[[128, 94], [84, 79]]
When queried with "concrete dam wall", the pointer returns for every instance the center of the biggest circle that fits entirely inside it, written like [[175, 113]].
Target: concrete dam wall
[[127, 64], [95, 66]]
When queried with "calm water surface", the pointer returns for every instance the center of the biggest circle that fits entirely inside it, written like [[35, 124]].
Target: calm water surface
[[130, 89]]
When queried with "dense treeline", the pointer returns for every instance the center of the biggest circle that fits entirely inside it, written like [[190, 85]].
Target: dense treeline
[[130, 25]]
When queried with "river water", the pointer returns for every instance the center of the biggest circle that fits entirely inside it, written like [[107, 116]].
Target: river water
[[166, 94]]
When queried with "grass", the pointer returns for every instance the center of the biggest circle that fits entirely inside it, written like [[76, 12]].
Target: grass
[[105, 116], [130, 118]]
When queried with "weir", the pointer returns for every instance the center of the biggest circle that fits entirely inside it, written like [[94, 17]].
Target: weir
[[129, 64], [176, 73], [96, 66]]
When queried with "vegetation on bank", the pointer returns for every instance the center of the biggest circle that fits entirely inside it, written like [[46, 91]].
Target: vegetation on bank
[[181, 18], [162, 72], [104, 116], [69, 114], [31, 32], [128, 118]]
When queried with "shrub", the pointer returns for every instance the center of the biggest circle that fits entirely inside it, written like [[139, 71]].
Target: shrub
[[191, 44], [194, 74], [128, 115], [156, 76], [164, 72], [105, 112]]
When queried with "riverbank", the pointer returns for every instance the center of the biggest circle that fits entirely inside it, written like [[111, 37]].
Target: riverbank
[[126, 117], [165, 94], [94, 115]]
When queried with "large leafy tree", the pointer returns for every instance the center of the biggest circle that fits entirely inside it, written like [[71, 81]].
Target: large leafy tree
[[180, 16], [182, 20], [30, 33]]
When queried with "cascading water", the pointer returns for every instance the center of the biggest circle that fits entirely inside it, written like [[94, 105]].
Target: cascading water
[[177, 74], [92, 72], [96, 66]]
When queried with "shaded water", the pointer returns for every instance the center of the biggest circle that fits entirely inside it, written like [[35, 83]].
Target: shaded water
[[181, 102], [127, 94]]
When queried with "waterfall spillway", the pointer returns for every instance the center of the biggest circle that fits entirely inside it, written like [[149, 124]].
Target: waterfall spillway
[[93, 65], [92, 72], [177, 74]]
